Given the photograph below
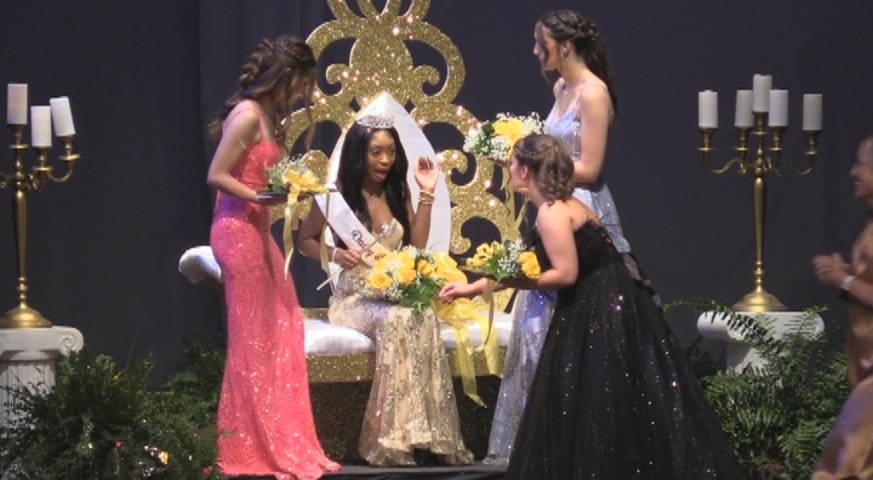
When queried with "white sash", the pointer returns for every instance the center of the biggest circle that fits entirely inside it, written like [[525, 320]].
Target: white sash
[[349, 229]]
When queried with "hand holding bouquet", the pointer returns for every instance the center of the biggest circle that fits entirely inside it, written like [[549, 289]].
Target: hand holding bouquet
[[412, 277], [509, 260], [290, 176], [290, 179], [495, 138]]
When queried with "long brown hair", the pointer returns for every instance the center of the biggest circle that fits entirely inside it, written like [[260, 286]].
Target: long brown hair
[[585, 37], [550, 164], [274, 67]]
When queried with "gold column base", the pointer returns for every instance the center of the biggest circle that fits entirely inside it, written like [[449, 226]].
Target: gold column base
[[759, 301], [23, 317]]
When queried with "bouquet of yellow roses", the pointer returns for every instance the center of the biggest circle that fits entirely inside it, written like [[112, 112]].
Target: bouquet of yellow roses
[[507, 260], [494, 139], [412, 277], [291, 176]]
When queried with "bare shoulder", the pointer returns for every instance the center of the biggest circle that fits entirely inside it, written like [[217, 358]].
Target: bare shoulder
[[580, 214], [243, 116], [554, 215], [594, 94]]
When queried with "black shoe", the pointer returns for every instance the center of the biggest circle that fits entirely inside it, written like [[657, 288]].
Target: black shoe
[[425, 458]]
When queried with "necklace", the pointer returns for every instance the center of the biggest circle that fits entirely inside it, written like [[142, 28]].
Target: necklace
[[373, 195]]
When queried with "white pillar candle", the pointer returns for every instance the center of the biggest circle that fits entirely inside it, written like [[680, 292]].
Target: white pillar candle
[[707, 109], [41, 126], [62, 117], [761, 85], [743, 117], [778, 108], [811, 112], [16, 104]]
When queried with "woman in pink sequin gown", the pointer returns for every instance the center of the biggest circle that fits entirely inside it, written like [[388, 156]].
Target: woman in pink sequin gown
[[265, 424]]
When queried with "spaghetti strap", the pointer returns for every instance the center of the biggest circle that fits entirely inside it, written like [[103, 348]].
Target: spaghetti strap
[[247, 104]]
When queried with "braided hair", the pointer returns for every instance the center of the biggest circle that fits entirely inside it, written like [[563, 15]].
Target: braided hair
[[274, 67], [583, 34], [550, 164]]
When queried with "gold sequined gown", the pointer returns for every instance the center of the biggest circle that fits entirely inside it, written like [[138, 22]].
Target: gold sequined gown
[[848, 451], [412, 404]]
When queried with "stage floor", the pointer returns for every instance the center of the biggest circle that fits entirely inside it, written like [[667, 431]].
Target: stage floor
[[477, 471]]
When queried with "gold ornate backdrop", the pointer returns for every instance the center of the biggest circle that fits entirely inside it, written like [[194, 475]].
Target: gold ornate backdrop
[[381, 60]]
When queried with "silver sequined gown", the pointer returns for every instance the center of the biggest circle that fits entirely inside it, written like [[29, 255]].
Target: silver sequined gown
[[412, 404], [533, 309], [613, 396]]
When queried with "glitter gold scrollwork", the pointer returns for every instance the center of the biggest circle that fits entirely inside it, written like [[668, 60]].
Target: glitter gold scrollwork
[[380, 60]]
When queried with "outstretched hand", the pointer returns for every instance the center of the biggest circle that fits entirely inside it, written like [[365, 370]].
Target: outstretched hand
[[830, 269], [457, 290], [427, 173]]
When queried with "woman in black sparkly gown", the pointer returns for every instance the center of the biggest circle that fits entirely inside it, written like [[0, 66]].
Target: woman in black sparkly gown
[[613, 396]]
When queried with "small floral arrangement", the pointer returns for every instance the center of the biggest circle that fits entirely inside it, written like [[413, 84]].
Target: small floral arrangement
[[291, 175], [412, 277], [507, 260], [494, 139]]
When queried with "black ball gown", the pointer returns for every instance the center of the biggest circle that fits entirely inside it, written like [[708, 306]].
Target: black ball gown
[[613, 396]]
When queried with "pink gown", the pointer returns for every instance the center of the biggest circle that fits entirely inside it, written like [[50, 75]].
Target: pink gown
[[265, 424]]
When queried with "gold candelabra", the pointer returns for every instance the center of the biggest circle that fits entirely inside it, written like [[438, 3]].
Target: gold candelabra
[[762, 162], [23, 316]]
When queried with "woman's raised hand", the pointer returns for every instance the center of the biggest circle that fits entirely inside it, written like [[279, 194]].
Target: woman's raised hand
[[427, 173]]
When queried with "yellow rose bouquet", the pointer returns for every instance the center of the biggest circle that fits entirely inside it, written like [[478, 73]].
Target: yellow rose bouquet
[[412, 277], [507, 260], [291, 176], [494, 139]]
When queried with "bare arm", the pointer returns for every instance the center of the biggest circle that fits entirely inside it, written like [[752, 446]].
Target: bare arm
[[833, 271], [309, 234], [309, 241], [594, 111], [862, 292], [427, 174], [241, 130], [556, 231]]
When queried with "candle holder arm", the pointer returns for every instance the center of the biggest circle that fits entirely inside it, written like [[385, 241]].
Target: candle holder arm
[[44, 172], [739, 160], [811, 154]]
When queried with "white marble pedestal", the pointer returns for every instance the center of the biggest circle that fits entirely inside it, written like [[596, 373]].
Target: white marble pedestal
[[739, 354], [27, 358]]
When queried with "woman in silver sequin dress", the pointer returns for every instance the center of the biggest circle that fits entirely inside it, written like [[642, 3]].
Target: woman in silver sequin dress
[[573, 59], [412, 408]]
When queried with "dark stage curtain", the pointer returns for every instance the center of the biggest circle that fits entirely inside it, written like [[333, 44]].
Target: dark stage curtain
[[144, 79]]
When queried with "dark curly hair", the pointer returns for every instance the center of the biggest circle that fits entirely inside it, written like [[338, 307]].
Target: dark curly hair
[[563, 25], [274, 66], [353, 169], [550, 164]]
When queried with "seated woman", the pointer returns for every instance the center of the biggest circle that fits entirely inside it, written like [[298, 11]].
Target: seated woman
[[412, 408]]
